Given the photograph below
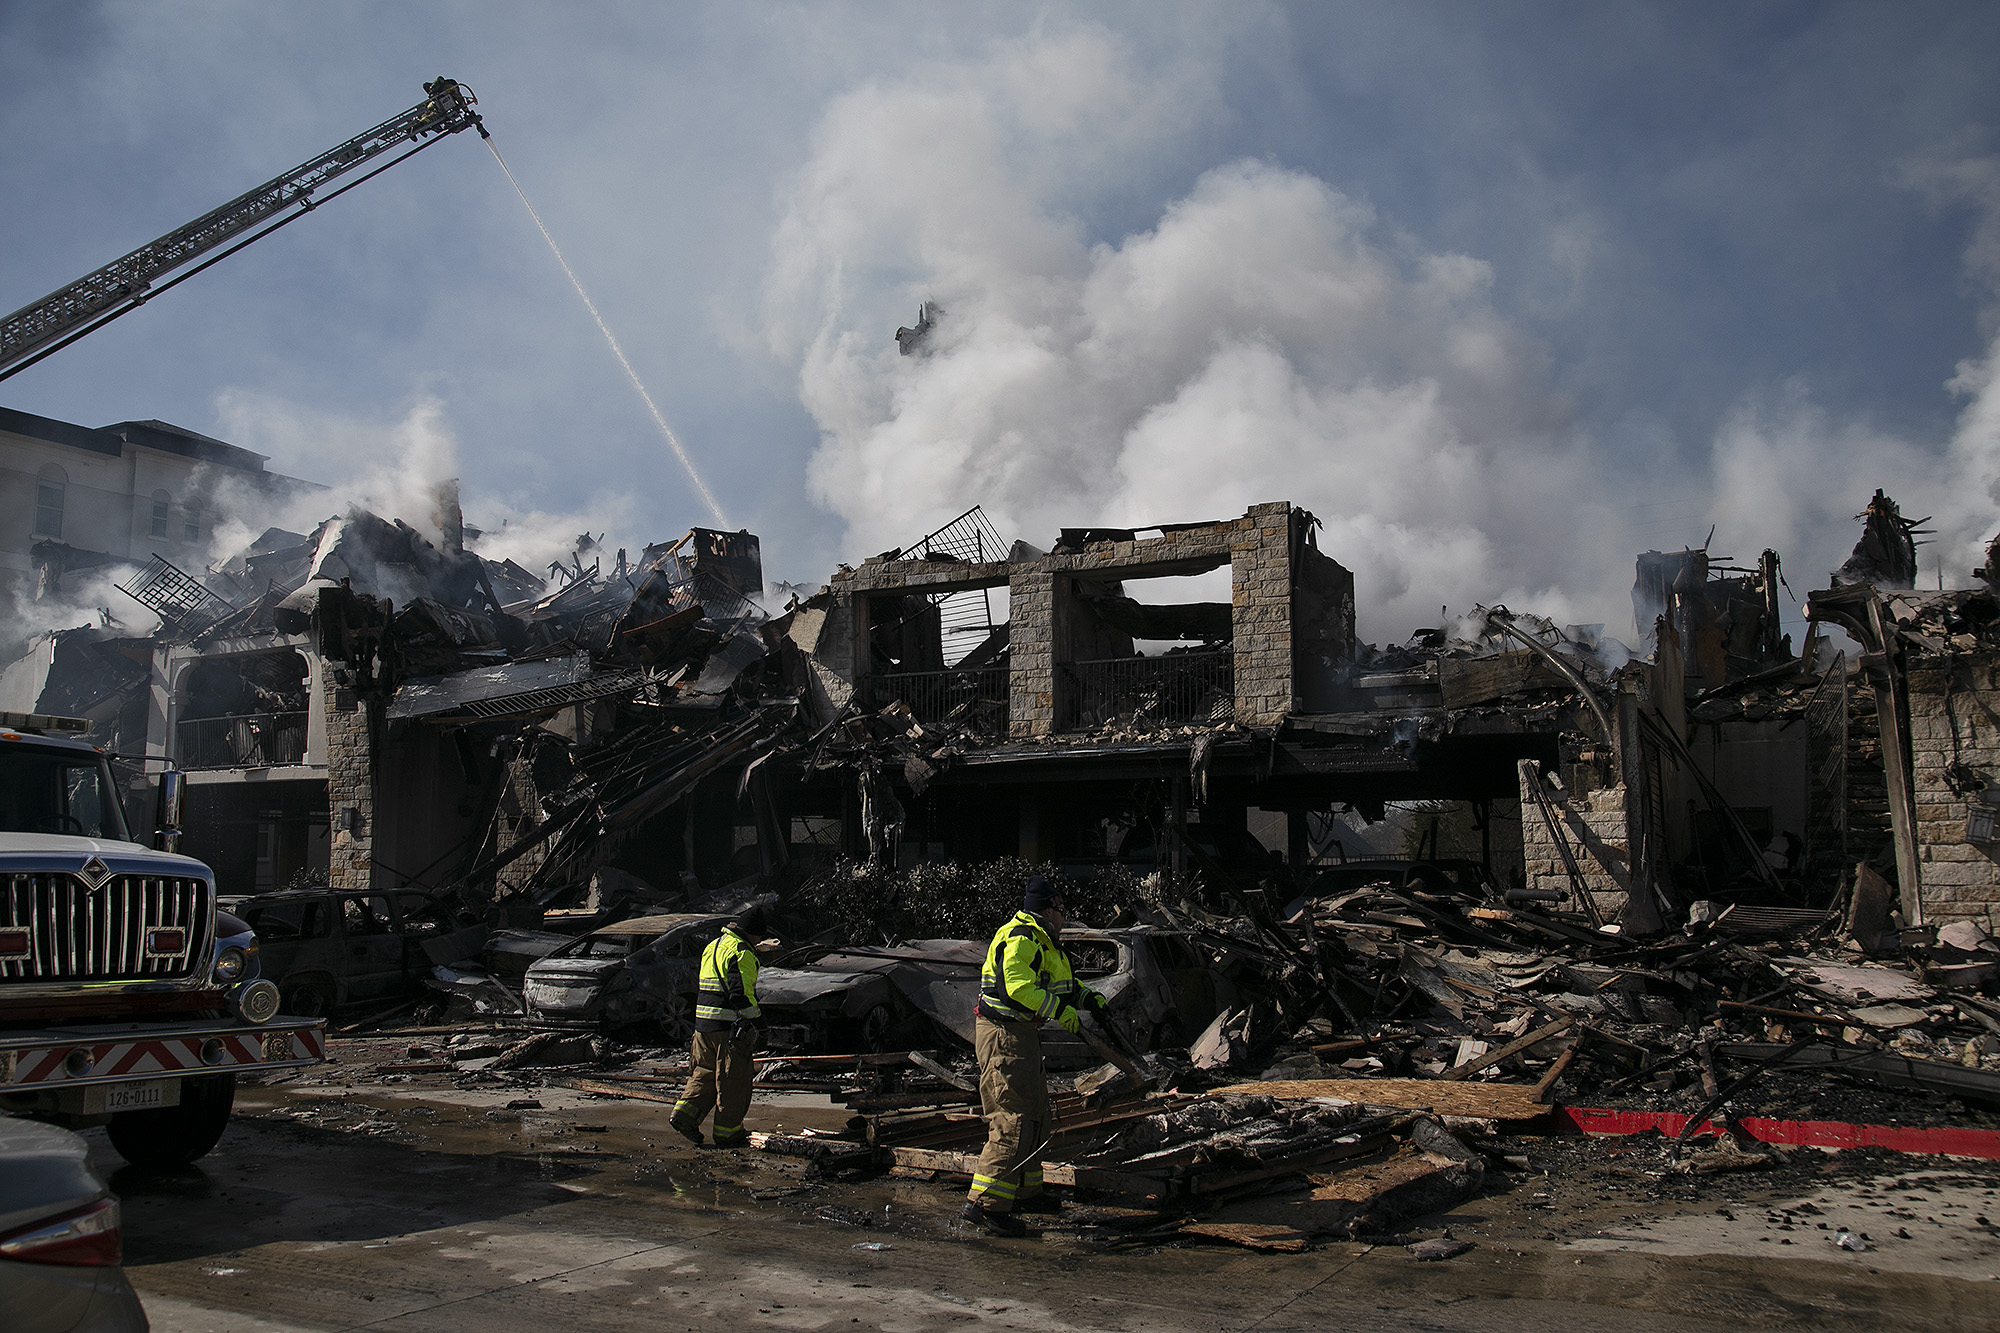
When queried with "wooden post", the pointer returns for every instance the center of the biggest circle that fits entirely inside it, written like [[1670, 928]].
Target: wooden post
[[1895, 767], [1642, 900]]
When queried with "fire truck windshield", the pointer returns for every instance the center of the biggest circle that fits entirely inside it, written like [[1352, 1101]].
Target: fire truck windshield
[[47, 790]]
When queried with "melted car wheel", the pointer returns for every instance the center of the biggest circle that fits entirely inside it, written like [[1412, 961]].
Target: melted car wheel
[[676, 1027]]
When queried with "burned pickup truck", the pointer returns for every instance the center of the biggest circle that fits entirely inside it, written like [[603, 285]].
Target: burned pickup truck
[[328, 950]]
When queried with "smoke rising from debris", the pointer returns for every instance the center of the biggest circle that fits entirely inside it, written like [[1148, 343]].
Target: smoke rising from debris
[[1266, 336], [393, 468]]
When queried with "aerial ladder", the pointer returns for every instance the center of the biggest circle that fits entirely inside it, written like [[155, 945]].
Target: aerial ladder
[[122, 286]]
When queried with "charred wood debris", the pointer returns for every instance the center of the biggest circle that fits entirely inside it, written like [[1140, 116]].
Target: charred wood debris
[[1392, 1044]]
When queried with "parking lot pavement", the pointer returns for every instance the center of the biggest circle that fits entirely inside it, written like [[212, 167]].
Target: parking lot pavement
[[447, 1210]]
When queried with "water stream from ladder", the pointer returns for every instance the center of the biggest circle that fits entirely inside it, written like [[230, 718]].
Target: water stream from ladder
[[666, 431]]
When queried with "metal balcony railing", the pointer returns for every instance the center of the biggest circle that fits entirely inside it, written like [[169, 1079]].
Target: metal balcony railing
[[247, 740], [941, 696], [1177, 687]]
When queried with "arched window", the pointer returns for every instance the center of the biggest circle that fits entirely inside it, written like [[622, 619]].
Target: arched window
[[50, 486], [161, 502]]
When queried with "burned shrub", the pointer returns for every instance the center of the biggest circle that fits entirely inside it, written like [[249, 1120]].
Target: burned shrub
[[949, 900]]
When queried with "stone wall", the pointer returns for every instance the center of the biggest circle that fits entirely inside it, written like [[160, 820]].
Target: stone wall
[[1594, 825], [350, 786], [1955, 743]]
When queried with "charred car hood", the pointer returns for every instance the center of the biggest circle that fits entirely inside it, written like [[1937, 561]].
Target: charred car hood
[[801, 987], [574, 971]]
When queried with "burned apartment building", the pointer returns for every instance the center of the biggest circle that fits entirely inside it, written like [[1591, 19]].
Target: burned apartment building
[[1059, 737], [383, 709], [1858, 779], [76, 499]]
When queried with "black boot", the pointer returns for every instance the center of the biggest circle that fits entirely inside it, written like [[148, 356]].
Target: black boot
[[687, 1129], [1000, 1224]]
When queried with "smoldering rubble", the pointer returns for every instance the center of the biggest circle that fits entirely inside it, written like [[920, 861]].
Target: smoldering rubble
[[1372, 920]]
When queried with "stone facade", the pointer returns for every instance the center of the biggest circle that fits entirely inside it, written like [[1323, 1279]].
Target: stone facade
[[1954, 745], [1594, 825]]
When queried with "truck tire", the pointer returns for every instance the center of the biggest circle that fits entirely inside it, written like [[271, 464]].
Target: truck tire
[[176, 1135]]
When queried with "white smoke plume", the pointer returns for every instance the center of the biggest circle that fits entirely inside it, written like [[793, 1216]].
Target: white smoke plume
[[1267, 336], [392, 467]]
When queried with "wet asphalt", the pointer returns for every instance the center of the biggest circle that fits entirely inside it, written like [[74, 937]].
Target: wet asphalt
[[357, 1204]]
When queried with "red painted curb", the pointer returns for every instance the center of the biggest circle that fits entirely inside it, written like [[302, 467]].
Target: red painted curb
[[1983, 1143]]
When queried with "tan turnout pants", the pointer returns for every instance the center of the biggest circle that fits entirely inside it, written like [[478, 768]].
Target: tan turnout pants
[[1014, 1097], [719, 1079]]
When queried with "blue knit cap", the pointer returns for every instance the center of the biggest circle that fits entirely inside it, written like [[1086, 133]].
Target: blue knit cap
[[1041, 894]]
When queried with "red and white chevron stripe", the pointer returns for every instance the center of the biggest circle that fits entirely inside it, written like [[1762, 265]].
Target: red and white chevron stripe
[[144, 1057]]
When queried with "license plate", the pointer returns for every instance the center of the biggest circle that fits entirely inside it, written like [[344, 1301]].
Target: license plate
[[146, 1096]]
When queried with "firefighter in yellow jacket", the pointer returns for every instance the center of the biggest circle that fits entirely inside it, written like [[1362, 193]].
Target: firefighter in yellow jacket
[[1026, 982], [727, 1031]]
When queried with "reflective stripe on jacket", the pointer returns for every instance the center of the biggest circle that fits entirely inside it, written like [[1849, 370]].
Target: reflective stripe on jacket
[[727, 988], [1027, 977]]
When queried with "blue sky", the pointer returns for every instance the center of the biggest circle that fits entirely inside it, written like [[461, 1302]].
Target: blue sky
[[1505, 293]]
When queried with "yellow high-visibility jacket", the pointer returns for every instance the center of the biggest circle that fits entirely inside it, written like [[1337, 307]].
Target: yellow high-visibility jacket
[[1027, 977], [727, 989]]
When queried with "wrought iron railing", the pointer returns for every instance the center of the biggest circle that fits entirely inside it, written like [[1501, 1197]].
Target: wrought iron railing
[[1176, 687], [975, 695], [248, 740]]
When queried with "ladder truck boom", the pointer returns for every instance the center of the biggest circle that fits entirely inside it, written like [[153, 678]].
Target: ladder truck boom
[[63, 316]]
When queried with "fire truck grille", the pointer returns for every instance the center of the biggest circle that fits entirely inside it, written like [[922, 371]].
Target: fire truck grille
[[130, 928]]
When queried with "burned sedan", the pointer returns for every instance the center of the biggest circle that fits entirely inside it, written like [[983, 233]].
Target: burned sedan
[[841, 1003], [632, 975], [1161, 989]]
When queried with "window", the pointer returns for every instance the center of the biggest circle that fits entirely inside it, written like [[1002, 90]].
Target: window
[[191, 529], [45, 790], [49, 504], [160, 502]]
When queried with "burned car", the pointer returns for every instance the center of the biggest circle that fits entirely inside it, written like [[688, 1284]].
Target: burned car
[[328, 950], [1162, 992], [632, 974], [843, 1002]]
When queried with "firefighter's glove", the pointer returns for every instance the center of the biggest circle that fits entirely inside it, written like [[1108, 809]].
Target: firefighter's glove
[[1071, 1020], [1093, 1002], [743, 1028]]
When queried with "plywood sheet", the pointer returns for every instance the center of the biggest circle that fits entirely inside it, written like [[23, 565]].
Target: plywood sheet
[[1401, 1186], [1491, 1101]]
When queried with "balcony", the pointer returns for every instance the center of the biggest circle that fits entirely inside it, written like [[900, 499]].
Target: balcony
[[1175, 688], [247, 740], [947, 696]]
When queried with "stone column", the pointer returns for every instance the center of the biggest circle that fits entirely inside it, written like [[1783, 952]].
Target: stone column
[[1031, 678], [350, 786], [1260, 620]]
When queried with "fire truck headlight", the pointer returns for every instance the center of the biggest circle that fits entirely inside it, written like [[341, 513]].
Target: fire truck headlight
[[229, 965]]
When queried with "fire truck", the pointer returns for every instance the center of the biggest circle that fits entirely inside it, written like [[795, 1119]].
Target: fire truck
[[126, 998]]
